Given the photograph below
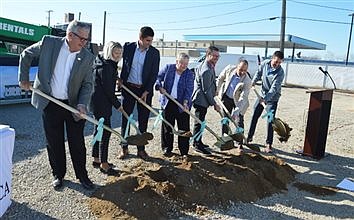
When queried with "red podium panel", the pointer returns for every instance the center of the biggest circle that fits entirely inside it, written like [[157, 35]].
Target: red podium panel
[[317, 123]]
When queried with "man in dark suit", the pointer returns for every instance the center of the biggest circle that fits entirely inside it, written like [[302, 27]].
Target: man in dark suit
[[204, 93], [141, 63], [65, 73]]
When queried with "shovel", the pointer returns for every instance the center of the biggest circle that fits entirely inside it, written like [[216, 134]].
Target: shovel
[[239, 137], [141, 138], [224, 143], [75, 111], [179, 133], [279, 126]]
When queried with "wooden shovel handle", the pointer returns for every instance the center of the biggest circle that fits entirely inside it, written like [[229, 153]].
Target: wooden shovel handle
[[75, 111]]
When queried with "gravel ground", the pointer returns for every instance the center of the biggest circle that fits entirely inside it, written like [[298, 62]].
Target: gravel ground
[[34, 198]]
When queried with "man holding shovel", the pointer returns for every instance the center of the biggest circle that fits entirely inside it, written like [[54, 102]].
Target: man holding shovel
[[234, 85], [177, 81], [272, 74], [65, 73], [141, 63], [204, 93]]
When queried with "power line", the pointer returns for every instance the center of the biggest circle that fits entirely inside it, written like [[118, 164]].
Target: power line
[[322, 6], [204, 27], [318, 20], [209, 16], [175, 9]]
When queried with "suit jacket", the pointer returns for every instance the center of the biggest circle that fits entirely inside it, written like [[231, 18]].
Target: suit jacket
[[206, 86], [103, 98], [240, 97], [166, 78], [150, 67], [47, 50]]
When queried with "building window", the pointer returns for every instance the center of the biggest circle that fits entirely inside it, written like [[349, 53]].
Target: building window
[[187, 44]]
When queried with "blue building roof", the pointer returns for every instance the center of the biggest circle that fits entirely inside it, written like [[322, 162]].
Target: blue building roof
[[256, 40]]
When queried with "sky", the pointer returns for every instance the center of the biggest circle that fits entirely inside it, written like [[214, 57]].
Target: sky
[[323, 21]]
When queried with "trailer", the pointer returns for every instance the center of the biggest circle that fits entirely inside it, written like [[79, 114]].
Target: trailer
[[15, 36]]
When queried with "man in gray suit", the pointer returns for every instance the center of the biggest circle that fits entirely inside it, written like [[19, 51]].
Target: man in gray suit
[[204, 93], [65, 73]]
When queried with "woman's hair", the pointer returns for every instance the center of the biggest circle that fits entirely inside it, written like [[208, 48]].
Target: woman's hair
[[108, 49]]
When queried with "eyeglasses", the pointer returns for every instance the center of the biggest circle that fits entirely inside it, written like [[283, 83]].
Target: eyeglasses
[[82, 39]]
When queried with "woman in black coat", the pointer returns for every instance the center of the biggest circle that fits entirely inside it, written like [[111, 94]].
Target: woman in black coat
[[103, 98]]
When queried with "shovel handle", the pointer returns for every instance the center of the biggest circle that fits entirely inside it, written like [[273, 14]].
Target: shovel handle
[[125, 114], [217, 99], [75, 111], [193, 116], [259, 96], [149, 107]]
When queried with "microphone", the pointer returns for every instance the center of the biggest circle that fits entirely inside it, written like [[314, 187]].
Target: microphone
[[323, 71], [327, 74]]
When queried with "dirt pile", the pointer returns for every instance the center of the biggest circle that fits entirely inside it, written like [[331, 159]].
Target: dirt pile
[[161, 189]]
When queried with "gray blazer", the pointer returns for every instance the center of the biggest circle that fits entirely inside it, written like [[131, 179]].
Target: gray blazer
[[47, 50], [206, 85]]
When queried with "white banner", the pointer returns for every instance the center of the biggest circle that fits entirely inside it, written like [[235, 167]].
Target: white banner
[[7, 141]]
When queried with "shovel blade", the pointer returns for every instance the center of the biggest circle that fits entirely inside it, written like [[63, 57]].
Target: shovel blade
[[226, 143]]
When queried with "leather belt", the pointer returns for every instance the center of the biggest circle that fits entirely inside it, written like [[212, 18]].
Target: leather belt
[[135, 85]]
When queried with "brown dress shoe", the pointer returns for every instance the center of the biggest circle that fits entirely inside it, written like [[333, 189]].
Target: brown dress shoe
[[123, 154], [143, 155]]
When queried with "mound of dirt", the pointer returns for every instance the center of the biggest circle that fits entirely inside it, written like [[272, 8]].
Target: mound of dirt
[[161, 189]]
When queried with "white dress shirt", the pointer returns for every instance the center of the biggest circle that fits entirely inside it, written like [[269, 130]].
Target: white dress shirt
[[62, 70]]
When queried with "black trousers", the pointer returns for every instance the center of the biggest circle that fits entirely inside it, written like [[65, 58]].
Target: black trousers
[[200, 112], [143, 113], [100, 149], [230, 104], [172, 114], [55, 120], [256, 114]]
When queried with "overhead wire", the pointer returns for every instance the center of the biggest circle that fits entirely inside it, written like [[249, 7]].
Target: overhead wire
[[322, 6]]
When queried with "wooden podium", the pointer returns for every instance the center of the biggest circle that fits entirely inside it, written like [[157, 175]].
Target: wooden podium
[[317, 123]]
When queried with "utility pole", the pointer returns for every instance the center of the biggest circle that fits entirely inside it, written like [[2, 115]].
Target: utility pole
[[350, 38], [282, 28], [49, 11], [104, 28]]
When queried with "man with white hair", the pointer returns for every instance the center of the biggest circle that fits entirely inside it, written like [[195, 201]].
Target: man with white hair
[[65, 73]]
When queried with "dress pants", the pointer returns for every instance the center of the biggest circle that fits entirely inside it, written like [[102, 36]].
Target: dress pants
[[256, 114], [128, 103], [230, 104], [171, 114], [200, 112], [100, 149], [55, 118]]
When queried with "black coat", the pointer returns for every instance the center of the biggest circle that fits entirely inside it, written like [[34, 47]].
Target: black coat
[[103, 98], [150, 68]]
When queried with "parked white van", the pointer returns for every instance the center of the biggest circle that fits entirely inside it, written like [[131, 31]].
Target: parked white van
[[229, 58]]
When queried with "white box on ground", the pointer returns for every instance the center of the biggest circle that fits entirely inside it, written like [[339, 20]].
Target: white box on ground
[[7, 141]]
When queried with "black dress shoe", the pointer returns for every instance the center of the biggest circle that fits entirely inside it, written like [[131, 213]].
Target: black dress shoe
[[98, 165], [57, 183], [201, 149], [167, 153], [110, 171], [86, 183], [143, 155]]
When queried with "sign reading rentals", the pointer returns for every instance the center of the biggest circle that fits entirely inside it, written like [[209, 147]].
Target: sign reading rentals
[[20, 30]]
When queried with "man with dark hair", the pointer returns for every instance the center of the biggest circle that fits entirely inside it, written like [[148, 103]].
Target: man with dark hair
[[141, 63], [272, 74], [65, 73], [204, 93]]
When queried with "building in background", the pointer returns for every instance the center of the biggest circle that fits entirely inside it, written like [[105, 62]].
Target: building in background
[[193, 49]]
